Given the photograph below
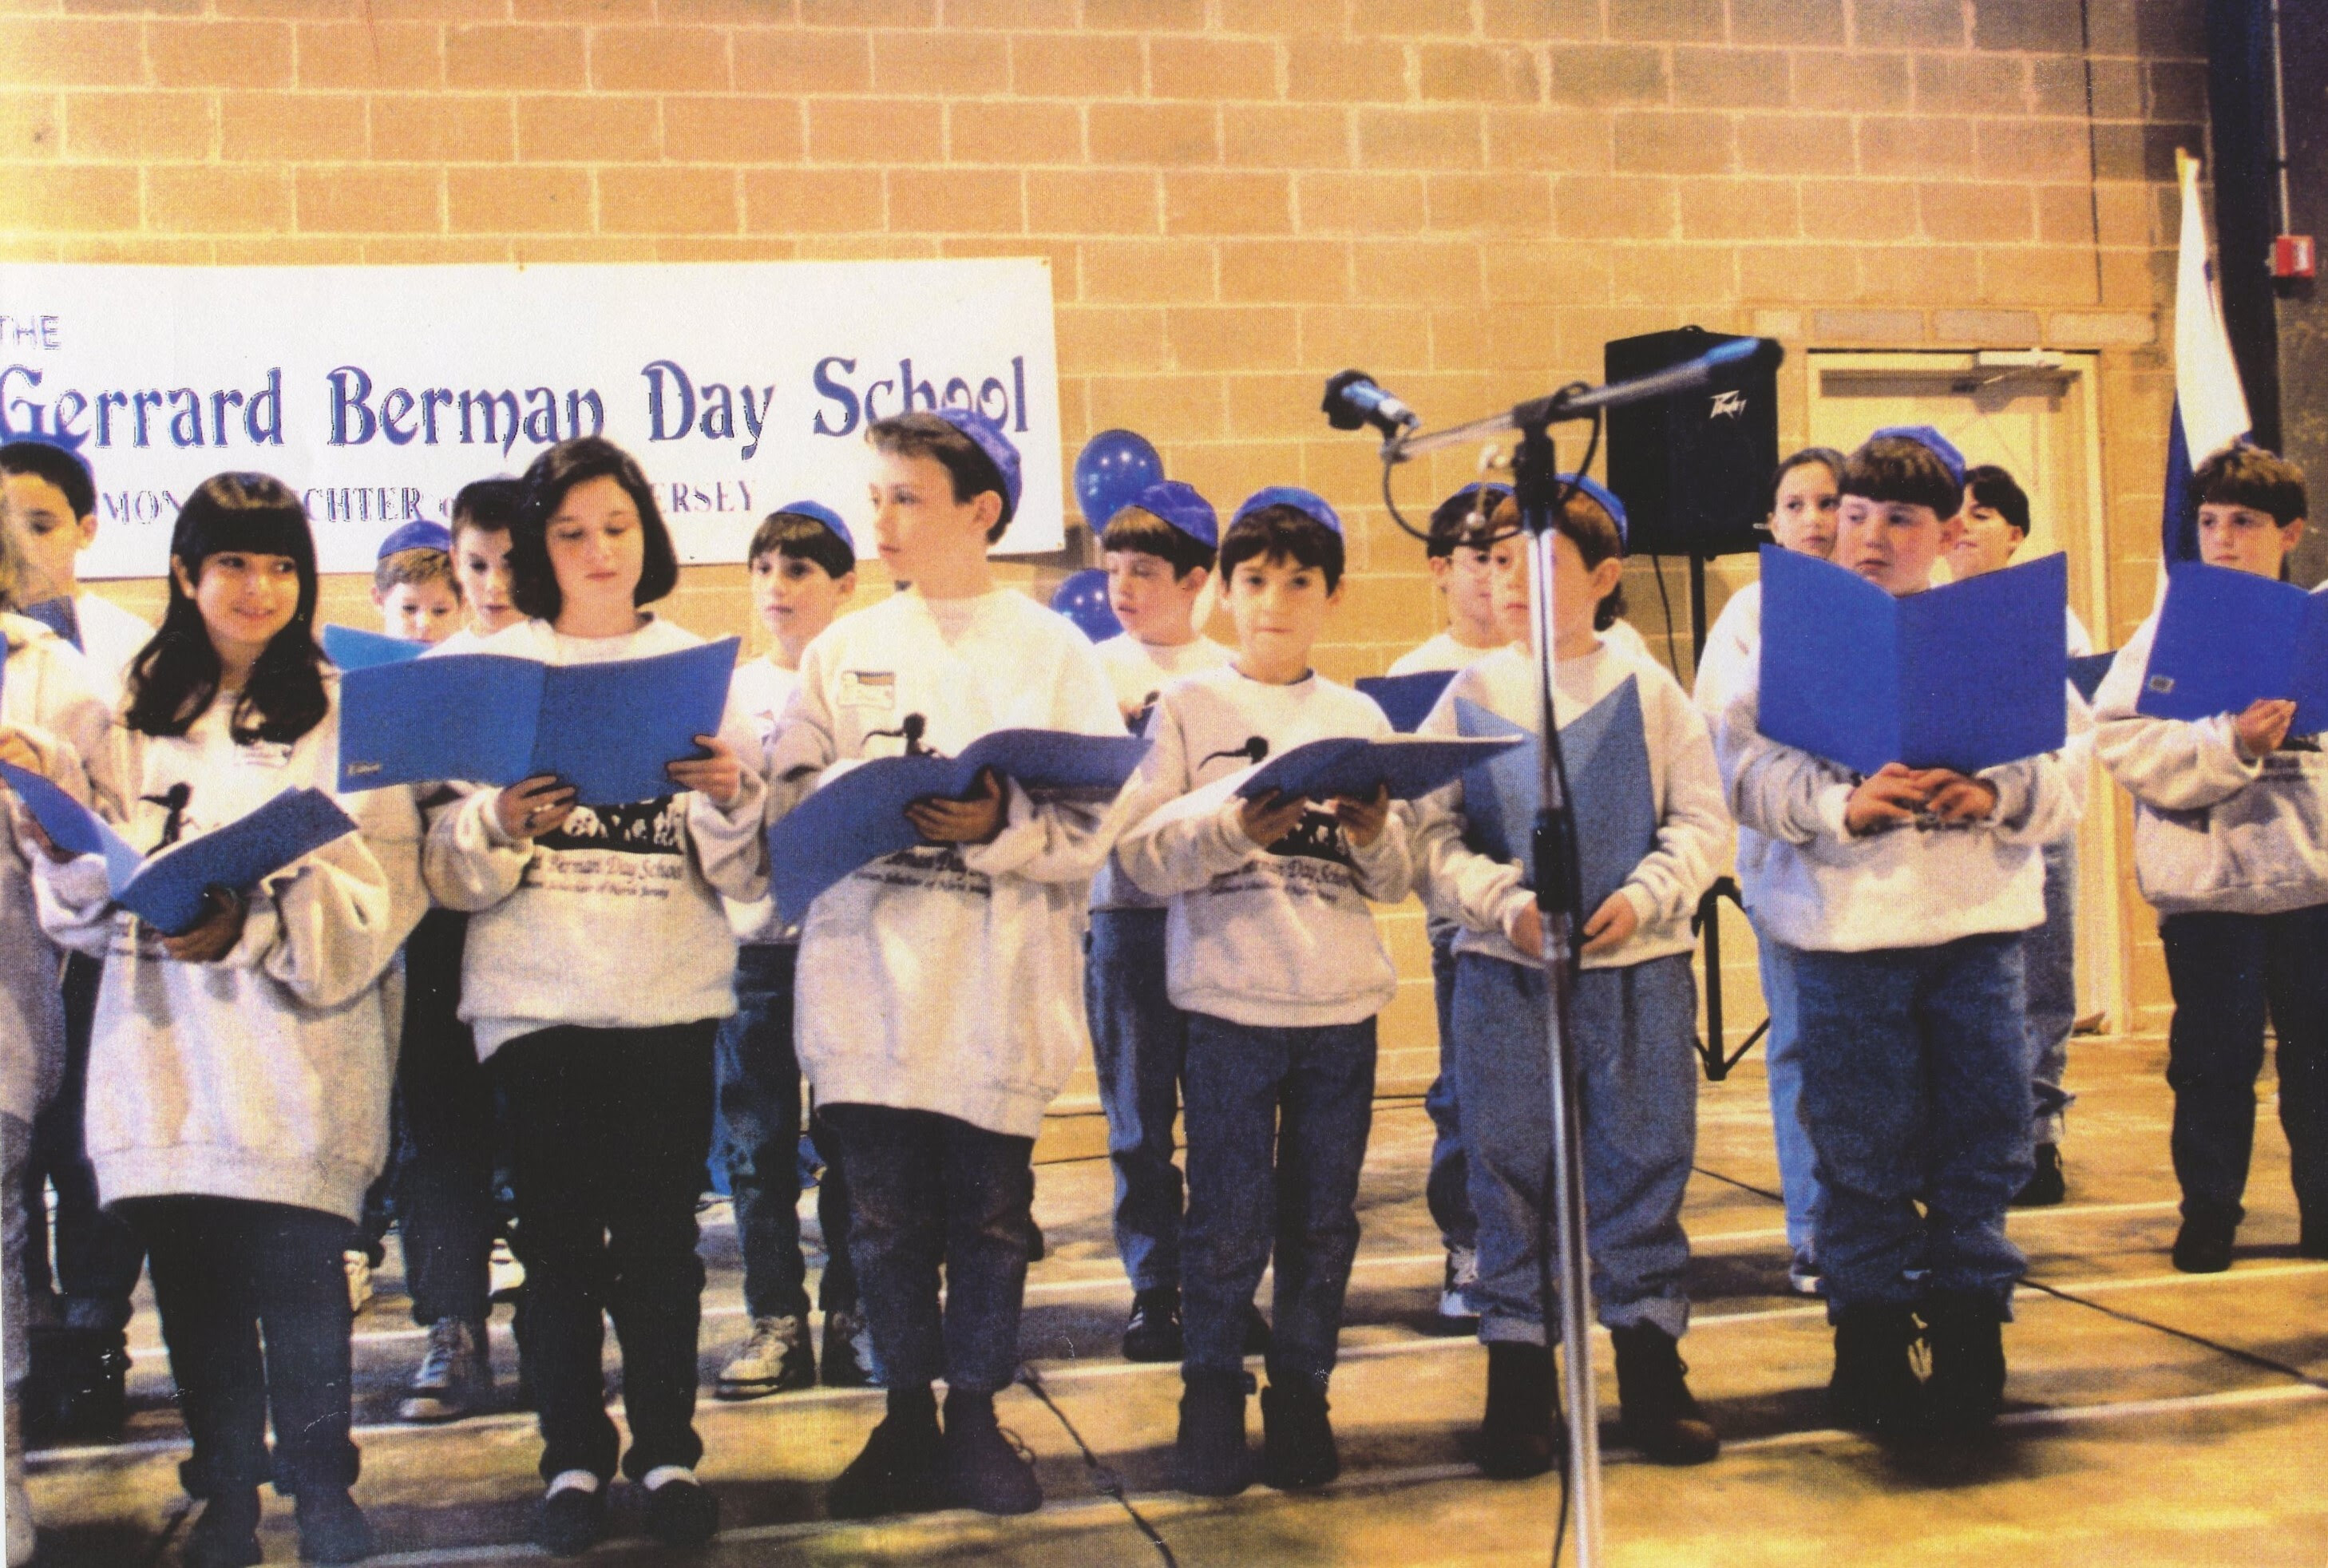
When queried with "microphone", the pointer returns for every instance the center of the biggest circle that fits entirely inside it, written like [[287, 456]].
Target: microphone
[[910, 731], [1255, 749], [1352, 400]]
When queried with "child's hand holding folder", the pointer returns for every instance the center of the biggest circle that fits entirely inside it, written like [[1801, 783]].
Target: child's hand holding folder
[[2263, 724]]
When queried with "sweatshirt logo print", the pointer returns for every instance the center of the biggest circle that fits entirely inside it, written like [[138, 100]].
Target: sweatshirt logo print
[[1318, 836], [640, 828]]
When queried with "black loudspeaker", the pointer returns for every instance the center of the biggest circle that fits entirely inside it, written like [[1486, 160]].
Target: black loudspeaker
[[1693, 469]]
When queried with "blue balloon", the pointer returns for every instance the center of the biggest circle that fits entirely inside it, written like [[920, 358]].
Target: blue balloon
[[1082, 599], [1114, 466]]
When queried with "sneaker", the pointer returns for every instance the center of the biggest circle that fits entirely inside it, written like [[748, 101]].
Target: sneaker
[[680, 1512], [332, 1528], [1154, 1332], [984, 1469], [2203, 1246], [573, 1515], [1658, 1415], [1966, 1333], [1209, 1459], [504, 1275], [1297, 1441], [1518, 1434], [226, 1535], [2045, 1187], [848, 1351], [897, 1471], [1803, 1274], [358, 1263], [1876, 1389], [777, 1357], [454, 1379], [1455, 1311]]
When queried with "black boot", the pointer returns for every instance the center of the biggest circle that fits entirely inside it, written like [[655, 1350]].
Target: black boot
[[332, 1528], [1520, 1435], [1965, 1332], [982, 1469], [1659, 1417], [1209, 1457], [2203, 1244], [2046, 1185], [900, 1468], [226, 1532], [1297, 1441], [1154, 1332], [1876, 1389]]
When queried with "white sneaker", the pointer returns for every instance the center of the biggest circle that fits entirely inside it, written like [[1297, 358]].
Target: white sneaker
[[505, 1276], [1803, 1274], [777, 1357], [1462, 1273], [359, 1266]]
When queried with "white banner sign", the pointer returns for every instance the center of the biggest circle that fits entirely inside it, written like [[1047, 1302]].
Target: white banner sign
[[378, 392]]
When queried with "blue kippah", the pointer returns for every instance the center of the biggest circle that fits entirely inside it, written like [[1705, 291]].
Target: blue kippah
[[988, 436], [1308, 502], [1932, 441], [1181, 507], [1607, 502], [1490, 494], [419, 534], [825, 515]]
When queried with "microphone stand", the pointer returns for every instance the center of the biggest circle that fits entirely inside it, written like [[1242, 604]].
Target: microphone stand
[[1559, 894]]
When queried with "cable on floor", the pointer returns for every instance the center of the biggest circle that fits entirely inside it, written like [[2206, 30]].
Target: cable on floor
[[1105, 1479], [2250, 1357], [1741, 1186]]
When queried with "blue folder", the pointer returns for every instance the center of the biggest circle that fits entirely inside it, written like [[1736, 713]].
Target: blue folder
[[2227, 639], [2087, 670], [1606, 752], [609, 729], [860, 816], [1406, 701], [166, 891], [351, 648], [1966, 677], [1412, 765]]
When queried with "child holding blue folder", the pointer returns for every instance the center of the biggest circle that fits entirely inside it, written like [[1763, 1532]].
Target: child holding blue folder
[[803, 567], [939, 987], [238, 1076], [1159, 550], [1272, 953], [1635, 1008], [597, 966], [1899, 899], [2230, 846]]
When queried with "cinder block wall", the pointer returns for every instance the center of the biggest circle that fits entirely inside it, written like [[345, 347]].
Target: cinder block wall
[[1236, 197]]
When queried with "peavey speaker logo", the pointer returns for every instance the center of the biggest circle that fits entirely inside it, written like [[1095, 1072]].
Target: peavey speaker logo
[[1730, 403]]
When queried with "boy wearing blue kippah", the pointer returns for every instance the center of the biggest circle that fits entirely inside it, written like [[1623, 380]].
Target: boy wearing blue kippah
[[939, 989], [1901, 899], [413, 585], [1271, 950], [803, 567], [1159, 552]]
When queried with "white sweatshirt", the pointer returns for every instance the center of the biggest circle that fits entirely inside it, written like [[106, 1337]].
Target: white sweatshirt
[[49, 700], [111, 637], [761, 693], [948, 978], [1812, 884], [1441, 653], [1485, 896], [1276, 935], [264, 1075], [615, 920], [1138, 672], [2214, 828]]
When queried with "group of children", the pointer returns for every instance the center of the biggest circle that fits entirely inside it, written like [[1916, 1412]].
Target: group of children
[[587, 993]]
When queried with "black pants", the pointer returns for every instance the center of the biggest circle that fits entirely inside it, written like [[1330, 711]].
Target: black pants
[[98, 1254], [927, 1190], [610, 1131], [227, 1270], [444, 1169], [2228, 972]]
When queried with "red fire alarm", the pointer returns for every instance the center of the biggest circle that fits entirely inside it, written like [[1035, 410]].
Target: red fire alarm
[[2294, 256]]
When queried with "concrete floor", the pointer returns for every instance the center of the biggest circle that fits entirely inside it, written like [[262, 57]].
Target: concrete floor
[[2154, 1417]]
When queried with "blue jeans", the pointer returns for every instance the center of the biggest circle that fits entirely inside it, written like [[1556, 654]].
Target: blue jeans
[[443, 1175], [1916, 1089], [1140, 1044], [1635, 1034], [1447, 1193], [758, 1145], [1277, 1134], [2228, 972], [2050, 958], [1782, 1065]]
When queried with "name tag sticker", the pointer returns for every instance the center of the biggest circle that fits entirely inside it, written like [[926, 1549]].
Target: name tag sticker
[[267, 754], [868, 689], [2162, 684]]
